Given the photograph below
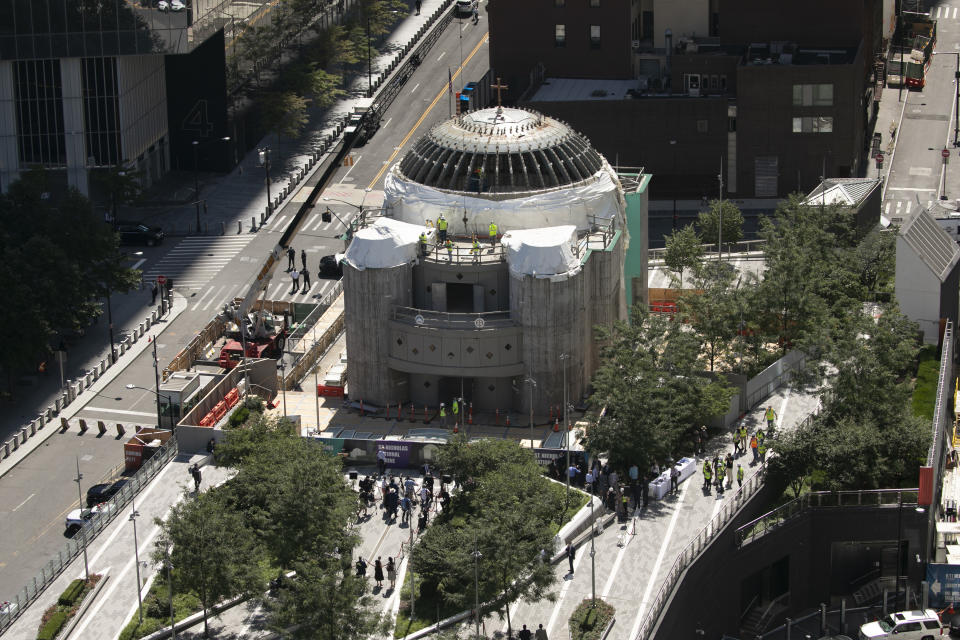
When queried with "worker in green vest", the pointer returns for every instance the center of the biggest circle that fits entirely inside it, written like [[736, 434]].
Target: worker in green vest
[[743, 438], [770, 415], [760, 436], [449, 247], [493, 233], [475, 249], [720, 475], [762, 450], [455, 407], [707, 475], [442, 228], [739, 475], [443, 414], [423, 243]]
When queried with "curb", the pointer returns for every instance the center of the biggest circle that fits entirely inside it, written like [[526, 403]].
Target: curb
[[75, 620], [80, 392]]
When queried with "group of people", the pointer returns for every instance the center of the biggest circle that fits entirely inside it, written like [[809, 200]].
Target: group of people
[[720, 472], [378, 571], [447, 244], [402, 496], [295, 274]]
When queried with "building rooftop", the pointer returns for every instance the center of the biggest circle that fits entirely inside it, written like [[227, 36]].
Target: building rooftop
[[578, 89], [931, 243], [789, 53], [844, 191]]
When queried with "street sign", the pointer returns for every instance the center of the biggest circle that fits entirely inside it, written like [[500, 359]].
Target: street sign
[[943, 582], [945, 154], [879, 157], [161, 279]]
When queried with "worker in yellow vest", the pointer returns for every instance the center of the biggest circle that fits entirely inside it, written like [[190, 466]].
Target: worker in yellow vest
[[475, 249], [493, 233], [449, 247], [455, 407], [770, 415], [423, 243], [442, 228], [443, 414], [707, 475]]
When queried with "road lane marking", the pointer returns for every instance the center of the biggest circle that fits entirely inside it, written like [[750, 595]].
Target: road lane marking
[[886, 209], [656, 567], [356, 161], [909, 205], [127, 412], [441, 56], [384, 125], [415, 87], [139, 262], [200, 301], [24, 502], [426, 112], [563, 592]]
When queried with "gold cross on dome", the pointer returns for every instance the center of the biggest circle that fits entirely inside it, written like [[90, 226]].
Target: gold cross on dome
[[498, 87]]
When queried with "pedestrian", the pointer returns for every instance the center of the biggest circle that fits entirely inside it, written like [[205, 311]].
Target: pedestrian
[[736, 442], [624, 506], [405, 507], [291, 258], [449, 247], [418, 7], [476, 14], [455, 407], [762, 450], [739, 476], [720, 481], [674, 479], [753, 446], [391, 573], [770, 415], [196, 477], [303, 259], [211, 446], [645, 491], [442, 229], [541, 633], [761, 436], [295, 276], [443, 414], [154, 290], [475, 249], [426, 496], [729, 471], [378, 572], [743, 438], [422, 522], [571, 555], [634, 473], [525, 634], [381, 461], [572, 472], [707, 475], [493, 233], [361, 568], [306, 281], [409, 486]]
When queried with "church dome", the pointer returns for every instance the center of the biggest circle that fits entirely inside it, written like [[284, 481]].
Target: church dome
[[500, 150]]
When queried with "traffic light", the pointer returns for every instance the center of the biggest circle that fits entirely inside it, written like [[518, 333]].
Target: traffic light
[[326, 216]]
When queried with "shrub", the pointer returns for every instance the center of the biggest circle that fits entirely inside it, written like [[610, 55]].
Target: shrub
[[71, 593], [52, 627], [153, 607], [589, 619], [239, 416]]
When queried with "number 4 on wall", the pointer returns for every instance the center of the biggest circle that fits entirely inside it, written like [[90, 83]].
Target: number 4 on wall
[[197, 120]]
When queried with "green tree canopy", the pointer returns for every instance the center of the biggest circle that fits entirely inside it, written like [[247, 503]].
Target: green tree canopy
[[720, 214], [683, 250]]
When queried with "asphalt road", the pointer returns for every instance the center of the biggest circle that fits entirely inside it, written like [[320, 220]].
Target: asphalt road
[[926, 128], [208, 271]]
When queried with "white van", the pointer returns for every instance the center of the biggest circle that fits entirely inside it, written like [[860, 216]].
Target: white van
[[904, 625]]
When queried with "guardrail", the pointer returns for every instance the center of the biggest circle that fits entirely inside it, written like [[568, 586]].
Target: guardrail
[[445, 320], [75, 546], [743, 246], [759, 527]]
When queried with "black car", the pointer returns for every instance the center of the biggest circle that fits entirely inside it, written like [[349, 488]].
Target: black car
[[137, 233], [330, 266], [102, 492]]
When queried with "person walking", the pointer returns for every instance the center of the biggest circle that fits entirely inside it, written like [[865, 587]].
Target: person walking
[[418, 7], [306, 280], [291, 258], [455, 408], [645, 491], [743, 438], [736, 442], [303, 259], [707, 475], [195, 472], [391, 573], [761, 436], [541, 633], [405, 508], [762, 450], [378, 572], [729, 471], [475, 249], [361, 568], [739, 476], [571, 555], [443, 414], [154, 290], [493, 233], [771, 416], [449, 247], [674, 479], [525, 634], [753, 446], [295, 277], [720, 474], [476, 14], [381, 461], [442, 229]]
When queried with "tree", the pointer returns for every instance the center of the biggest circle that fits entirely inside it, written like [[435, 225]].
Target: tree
[[214, 551], [711, 309], [876, 260], [465, 460], [719, 213], [650, 381], [683, 250], [284, 112], [309, 79], [796, 457]]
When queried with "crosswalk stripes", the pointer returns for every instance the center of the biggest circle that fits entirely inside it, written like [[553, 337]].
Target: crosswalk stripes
[[195, 261], [944, 13], [213, 297]]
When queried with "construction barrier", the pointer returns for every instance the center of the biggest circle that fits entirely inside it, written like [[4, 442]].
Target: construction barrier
[[232, 397], [326, 391]]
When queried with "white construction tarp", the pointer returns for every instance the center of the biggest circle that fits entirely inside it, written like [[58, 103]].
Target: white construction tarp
[[385, 243], [542, 252], [581, 205]]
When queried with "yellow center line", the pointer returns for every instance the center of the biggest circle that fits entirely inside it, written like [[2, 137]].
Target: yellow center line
[[445, 89]]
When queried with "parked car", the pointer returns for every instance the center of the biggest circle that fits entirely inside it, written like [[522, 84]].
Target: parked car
[[79, 518], [102, 492], [138, 233], [163, 5], [904, 625], [177, 5], [465, 7], [331, 267]]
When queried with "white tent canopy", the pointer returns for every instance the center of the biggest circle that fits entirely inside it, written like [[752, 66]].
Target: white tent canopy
[[385, 243], [542, 252]]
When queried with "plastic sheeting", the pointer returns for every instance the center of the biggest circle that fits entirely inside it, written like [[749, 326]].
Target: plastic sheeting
[[580, 206], [385, 243], [542, 252]]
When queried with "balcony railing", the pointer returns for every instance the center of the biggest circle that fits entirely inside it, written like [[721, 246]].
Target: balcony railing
[[446, 320]]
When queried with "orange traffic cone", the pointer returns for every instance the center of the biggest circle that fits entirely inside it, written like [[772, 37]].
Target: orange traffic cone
[[508, 419], [556, 425], [456, 429]]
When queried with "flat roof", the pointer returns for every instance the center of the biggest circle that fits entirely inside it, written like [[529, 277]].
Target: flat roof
[[578, 89]]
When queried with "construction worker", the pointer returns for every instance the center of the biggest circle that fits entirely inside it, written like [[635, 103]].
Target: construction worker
[[753, 446], [442, 228], [739, 476], [743, 438], [720, 475], [760, 436], [443, 414], [455, 407], [475, 249], [423, 244], [770, 415], [707, 475], [449, 247], [736, 442], [493, 233], [762, 450]]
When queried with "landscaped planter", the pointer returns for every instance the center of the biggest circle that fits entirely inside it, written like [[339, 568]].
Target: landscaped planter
[[591, 620]]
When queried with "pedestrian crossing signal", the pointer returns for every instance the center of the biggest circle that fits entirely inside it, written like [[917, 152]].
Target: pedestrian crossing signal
[[326, 215]]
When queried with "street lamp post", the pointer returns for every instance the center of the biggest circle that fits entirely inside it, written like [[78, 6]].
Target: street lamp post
[[283, 383], [263, 153], [159, 395], [316, 387], [113, 348], [593, 553], [156, 377], [900, 541], [196, 180], [136, 554], [476, 585], [83, 530]]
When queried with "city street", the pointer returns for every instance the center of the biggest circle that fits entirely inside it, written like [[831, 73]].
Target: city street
[[208, 271]]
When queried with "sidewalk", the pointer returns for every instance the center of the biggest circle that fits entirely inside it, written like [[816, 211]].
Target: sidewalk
[[112, 554], [889, 119]]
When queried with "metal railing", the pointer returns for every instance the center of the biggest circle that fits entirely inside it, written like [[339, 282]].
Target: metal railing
[[759, 527], [445, 320], [303, 328], [743, 246], [689, 554], [75, 546], [462, 252]]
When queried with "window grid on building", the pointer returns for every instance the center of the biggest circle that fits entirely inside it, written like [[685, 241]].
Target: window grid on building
[[813, 124], [813, 95], [595, 36], [560, 35], [101, 113], [39, 110]]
